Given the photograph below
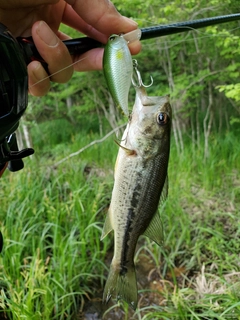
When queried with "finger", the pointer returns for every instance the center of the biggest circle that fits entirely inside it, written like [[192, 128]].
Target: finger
[[63, 36], [38, 80], [135, 47], [53, 51], [24, 3], [91, 60], [99, 15], [73, 20]]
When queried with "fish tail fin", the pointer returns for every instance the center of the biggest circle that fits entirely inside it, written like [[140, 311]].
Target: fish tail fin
[[122, 284]]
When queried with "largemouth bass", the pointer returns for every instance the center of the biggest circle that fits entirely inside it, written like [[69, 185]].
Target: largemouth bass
[[140, 183], [118, 69]]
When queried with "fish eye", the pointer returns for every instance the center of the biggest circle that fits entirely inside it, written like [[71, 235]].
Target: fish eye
[[162, 118]]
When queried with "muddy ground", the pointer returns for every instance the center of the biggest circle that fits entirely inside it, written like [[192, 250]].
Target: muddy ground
[[148, 278]]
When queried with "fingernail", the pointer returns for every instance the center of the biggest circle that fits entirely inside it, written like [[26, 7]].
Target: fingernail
[[36, 68], [37, 71], [46, 34]]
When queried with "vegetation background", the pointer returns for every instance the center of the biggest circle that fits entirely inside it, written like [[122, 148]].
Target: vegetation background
[[53, 265]]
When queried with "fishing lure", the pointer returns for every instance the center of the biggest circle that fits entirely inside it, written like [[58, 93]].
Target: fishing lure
[[118, 70]]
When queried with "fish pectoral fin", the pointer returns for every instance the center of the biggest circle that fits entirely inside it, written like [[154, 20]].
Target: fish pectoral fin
[[107, 228], [129, 152], [155, 230]]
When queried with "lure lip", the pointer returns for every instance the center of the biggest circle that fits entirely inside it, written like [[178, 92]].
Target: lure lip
[[132, 36]]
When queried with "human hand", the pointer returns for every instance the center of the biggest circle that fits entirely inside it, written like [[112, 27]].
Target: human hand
[[41, 19]]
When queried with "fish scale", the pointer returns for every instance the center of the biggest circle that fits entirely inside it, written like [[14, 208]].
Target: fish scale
[[140, 184]]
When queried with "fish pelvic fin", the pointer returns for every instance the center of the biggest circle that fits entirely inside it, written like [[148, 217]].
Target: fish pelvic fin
[[123, 285], [107, 228]]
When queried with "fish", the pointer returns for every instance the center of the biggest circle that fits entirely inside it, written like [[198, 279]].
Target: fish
[[140, 185], [118, 70]]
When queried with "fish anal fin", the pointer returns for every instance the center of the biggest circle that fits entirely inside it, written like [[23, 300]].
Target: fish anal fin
[[129, 152], [155, 230], [107, 228]]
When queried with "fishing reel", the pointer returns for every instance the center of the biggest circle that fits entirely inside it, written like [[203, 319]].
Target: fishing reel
[[15, 54], [13, 100]]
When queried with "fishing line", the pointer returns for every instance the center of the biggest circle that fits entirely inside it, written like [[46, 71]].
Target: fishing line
[[72, 64], [170, 43]]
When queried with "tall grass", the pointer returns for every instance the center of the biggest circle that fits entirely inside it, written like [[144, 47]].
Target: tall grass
[[51, 219]]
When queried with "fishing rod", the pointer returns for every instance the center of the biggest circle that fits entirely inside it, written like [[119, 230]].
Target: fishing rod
[[165, 30], [15, 54], [84, 44]]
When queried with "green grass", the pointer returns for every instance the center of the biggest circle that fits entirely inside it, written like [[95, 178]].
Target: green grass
[[51, 219]]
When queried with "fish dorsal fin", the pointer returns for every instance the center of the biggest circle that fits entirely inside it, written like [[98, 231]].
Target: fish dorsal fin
[[155, 230], [107, 228], [129, 152]]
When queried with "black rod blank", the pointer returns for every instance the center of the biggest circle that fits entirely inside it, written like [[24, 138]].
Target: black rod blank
[[164, 30]]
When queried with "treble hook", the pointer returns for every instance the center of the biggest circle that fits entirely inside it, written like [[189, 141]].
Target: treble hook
[[139, 78]]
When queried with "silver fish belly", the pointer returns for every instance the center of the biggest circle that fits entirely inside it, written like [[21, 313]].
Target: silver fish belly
[[140, 183]]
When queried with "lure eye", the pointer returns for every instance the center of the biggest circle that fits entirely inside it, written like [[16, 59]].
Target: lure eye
[[113, 37], [162, 118]]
